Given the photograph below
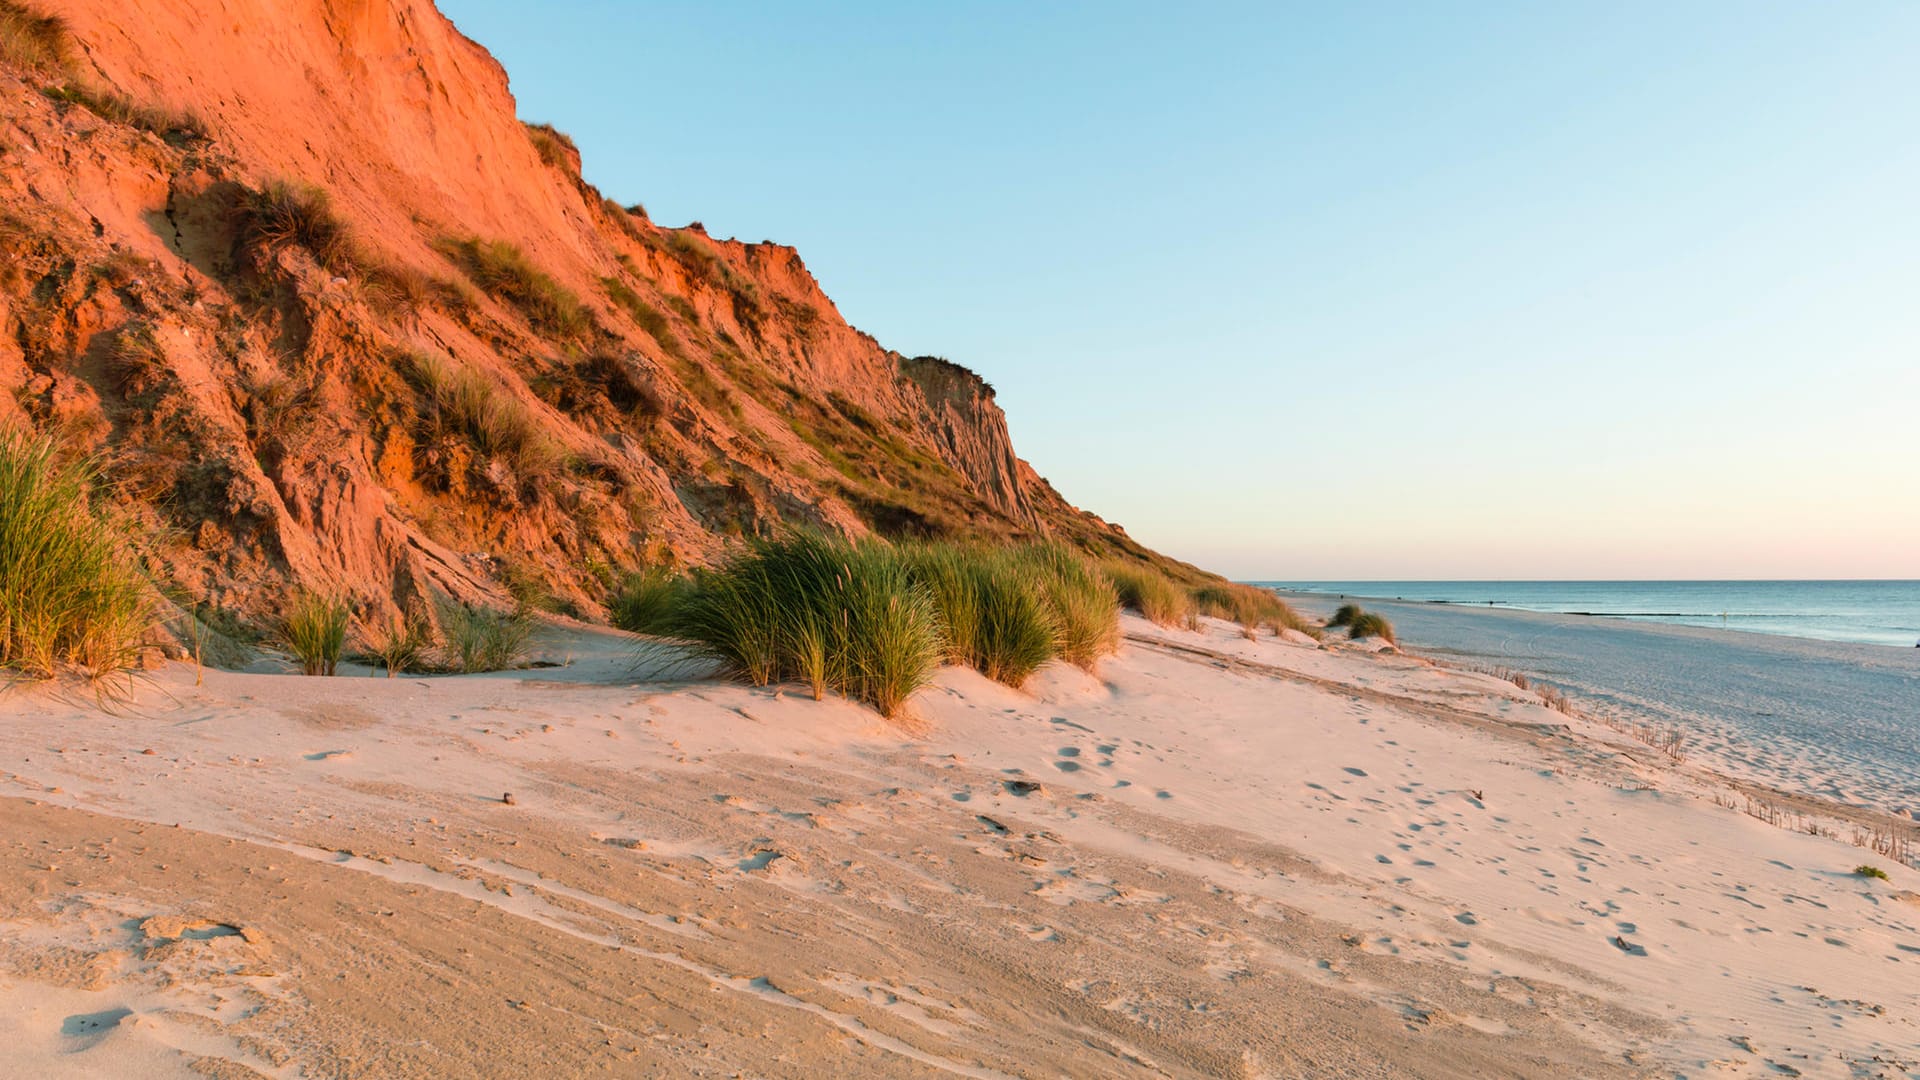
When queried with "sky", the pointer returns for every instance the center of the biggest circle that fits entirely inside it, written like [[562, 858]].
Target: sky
[[1337, 292]]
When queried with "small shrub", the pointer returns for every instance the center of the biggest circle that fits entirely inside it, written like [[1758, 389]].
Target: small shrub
[[68, 593], [502, 270], [1149, 592], [404, 644], [1344, 616], [1870, 871], [315, 631], [32, 41], [481, 640], [1369, 624]]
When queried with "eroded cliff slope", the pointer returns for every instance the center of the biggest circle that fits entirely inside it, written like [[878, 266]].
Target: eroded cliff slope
[[335, 317]]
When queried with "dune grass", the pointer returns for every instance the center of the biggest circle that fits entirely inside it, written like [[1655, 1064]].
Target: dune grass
[[480, 639], [994, 613], [1360, 623], [1868, 870], [1149, 592], [1251, 606], [403, 644], [836, 615], [501, 269], [1085, 605], [645, 602], [314, 630], [872, 621], [69, 595], [1370, 624]]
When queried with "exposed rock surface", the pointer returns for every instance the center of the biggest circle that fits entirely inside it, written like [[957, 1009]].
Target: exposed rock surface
[[336, 317]]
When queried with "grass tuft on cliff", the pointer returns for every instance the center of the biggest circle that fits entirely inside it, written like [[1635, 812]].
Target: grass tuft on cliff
[[502, 270], [494, 422], [282, 214], [68, 593], [179, 128], [32, 41]]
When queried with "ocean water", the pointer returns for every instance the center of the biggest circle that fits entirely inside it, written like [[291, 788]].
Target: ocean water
[[1863, 612]]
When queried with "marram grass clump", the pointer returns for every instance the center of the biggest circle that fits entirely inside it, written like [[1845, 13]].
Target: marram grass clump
[[1369, 624], [315, 631], [1252, 607], [871, 621], [69, 594], [826, 612], [1149, 592], [482, 639], [1085, 604], [993, 614]]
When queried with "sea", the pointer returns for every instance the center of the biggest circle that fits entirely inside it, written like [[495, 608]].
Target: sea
[[1882, 612]]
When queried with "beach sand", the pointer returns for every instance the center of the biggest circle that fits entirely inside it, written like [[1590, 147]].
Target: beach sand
[[1217, 857]]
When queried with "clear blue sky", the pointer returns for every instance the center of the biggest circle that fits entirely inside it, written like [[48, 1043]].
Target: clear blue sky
[[1338, 291]]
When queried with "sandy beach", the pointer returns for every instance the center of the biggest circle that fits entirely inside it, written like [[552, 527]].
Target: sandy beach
[[1828, 719], [1216, 857]]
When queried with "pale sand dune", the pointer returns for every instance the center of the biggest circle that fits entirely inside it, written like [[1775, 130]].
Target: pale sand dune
[[1219, 857]]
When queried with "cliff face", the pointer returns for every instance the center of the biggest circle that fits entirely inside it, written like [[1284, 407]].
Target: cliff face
[[334, 316]]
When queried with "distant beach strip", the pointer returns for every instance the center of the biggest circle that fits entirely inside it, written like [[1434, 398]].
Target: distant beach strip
[[1864, 612], [1833, 719]]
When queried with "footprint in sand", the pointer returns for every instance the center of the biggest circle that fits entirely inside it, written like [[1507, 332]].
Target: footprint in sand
[[1465, 918], [327, 755], [759, 860], [86, 1029], [1067, 766], [1351, 771], [1069, 751]]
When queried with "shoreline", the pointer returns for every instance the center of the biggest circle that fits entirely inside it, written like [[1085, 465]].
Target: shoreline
[[1217, 857], [1650, 618], [1835, 721]]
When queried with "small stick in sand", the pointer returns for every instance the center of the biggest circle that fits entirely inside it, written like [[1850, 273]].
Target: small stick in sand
[[507, 798]]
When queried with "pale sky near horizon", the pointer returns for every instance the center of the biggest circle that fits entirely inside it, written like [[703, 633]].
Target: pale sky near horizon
[[1388, 291]]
